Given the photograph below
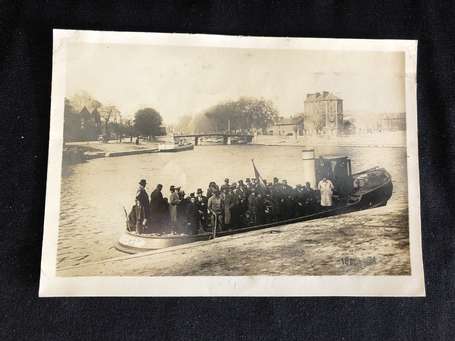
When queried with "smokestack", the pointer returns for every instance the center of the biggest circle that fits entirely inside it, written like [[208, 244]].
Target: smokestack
[[309, 171]]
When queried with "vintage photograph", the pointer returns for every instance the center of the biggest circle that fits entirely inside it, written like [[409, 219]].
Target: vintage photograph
[[232, 166]]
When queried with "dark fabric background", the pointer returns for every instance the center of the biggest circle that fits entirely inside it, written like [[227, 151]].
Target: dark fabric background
[[25, 89]]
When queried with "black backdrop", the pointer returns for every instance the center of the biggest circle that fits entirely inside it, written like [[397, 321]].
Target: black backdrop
[[25, 88]]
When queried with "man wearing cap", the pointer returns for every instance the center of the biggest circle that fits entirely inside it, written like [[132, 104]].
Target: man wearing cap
[[277, 197], [249, 186], [142, 207], [242, 202], [228, 200], [201, 202], [174, 200], [181, 209]]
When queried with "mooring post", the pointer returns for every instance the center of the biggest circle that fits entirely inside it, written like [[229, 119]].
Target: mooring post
[[196, 140]]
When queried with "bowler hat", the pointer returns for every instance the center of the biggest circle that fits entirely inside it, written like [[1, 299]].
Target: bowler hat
[[142, 182], [199, 190]]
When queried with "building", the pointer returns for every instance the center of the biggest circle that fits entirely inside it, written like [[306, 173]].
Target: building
[[392, 122], [376, 122], [323, 113], [110, 113], [288, 126]]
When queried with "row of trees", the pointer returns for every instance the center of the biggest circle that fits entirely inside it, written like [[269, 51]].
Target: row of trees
[[87, 119], [243, 114], [95, 120]]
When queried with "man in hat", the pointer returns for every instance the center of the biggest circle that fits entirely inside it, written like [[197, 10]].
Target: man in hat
[[142, 207], [201, 202], [277, 199], [192, 215], [174, 200], [252, 208], [249, 186], [242, 202]]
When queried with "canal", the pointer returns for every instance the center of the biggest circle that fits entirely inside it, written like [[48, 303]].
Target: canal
[[94, 193]]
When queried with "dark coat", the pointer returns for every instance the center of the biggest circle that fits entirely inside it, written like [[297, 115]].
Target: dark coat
[[158, 207], [192, 217], [156, 202], [143, 203]]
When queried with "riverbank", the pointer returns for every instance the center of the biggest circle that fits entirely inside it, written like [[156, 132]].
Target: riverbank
[[75, 152], [396, 139], [371, 242]]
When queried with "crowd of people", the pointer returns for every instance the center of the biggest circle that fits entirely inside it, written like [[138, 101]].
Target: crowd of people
[[229, 206]]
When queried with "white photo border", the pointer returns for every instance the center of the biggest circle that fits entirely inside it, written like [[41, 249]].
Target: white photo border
[[53, 285]]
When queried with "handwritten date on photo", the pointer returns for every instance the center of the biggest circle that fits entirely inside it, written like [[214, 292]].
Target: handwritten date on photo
[[355, 261]]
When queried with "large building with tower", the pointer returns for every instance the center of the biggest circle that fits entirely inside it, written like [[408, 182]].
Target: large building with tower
[[323, 113]]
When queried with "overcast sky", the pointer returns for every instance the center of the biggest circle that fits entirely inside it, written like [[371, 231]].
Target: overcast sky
[[179, 81]]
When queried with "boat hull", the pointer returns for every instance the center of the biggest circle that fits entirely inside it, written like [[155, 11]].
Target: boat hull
[[175, 148], [131, 242], [372, 197]]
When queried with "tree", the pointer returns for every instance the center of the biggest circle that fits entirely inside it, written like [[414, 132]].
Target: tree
[[243, 114], [128, 129], [147, 122], [107, 114], [71, 123], [184, 124]]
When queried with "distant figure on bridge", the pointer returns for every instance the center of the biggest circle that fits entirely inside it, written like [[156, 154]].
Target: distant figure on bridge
[[326, 188]]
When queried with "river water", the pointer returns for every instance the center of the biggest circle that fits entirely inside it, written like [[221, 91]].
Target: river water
[[94, 193]]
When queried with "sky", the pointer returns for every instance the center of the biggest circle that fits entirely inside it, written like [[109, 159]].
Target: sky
[[179, 81]]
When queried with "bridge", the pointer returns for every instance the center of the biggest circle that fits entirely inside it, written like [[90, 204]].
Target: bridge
[[226, 136]]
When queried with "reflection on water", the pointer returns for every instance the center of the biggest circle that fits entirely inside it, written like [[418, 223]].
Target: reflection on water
[[94, 193]]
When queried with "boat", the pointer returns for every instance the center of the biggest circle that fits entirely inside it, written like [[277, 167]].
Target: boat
[[175, 147], [209, 140], [238, 140], [371, 188]]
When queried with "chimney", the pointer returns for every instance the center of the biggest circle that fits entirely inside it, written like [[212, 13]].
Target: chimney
[[325, 93]]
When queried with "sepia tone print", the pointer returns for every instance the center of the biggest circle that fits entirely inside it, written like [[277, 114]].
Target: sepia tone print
[[235, 160]]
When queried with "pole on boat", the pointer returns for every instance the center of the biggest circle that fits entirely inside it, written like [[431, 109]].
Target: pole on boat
[[126, 218], [214, 227]]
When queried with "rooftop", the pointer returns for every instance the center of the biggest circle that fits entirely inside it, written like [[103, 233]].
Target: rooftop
[[321, 96]]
